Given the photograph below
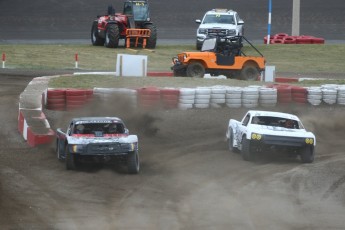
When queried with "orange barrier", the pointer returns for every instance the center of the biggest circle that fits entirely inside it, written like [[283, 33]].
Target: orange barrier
[[137, 33]]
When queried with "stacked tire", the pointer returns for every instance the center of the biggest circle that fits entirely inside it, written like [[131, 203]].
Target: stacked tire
[[202, 98], [299, 95], [56, 99], [75, 99], [341, 95], [109, 94], [233, 97], [186, 98], [329, 94], [314, 95], [268, 97], [217, 97], [149, 97], [250, 97], [284, 94], [170, 98]]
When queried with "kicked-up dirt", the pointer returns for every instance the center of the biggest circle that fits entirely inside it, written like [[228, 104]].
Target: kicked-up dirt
[[188, 180]]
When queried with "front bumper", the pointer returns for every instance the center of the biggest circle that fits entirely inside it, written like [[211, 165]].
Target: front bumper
[[281, 141], [102, 149]]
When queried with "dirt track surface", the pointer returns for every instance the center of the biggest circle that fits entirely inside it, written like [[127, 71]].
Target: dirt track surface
[[188, 179]]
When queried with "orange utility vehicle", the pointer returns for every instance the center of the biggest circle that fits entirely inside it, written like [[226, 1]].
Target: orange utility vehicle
[[220, 55]]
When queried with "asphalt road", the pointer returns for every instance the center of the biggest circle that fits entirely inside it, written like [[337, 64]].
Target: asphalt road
[[71, 20]]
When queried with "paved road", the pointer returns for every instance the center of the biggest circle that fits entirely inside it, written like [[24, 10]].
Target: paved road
[[65, 19]]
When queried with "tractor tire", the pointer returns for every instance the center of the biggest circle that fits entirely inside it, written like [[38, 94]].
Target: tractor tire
[[112, 36], [95, 39], [247, 154], [307, 154], [196, 70], [152, 40], [70, 160], [249, 73], [133, 163]]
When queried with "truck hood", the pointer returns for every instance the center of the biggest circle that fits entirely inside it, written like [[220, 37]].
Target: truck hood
[[217, 26]]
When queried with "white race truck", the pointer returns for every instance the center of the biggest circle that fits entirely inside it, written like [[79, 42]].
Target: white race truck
[[100, 139], [260, 131]]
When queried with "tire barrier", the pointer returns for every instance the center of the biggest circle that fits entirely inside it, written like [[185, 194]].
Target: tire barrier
[[149, 97], [217, 99], [268, 97], [56, 99], [299, 95], [187, 97], [233, 97], [202, 97], [170, 98], [109, 95], [283, 38], [35, 129], [250, 97], [67, 99]]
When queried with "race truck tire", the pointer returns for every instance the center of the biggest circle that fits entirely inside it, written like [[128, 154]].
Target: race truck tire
[[95, 39], [307, 154], [57, 150], [112, 36], [249, 73], [152, 40], [247, 154], [231, 142], [70, 160], [196, 70], [133, 163]]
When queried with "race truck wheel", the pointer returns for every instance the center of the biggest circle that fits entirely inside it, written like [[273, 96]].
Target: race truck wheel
[[249, 73], [133, 163], [247, 154], [112, 36], [231, 142], [152, 40], [307, 154], [95, 39], [195, 69], [70, 160], [58, 151]]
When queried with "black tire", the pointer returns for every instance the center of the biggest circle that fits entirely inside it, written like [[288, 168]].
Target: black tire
[[180, 73], [112, 36], [95, 39], [133, 162], [195, 69], [250, 73], [70, 160], [57, 150], [231, 142], [152, 40], [307, 154], [247, 154]]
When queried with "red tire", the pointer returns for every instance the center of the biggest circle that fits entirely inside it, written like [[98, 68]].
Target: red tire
[[318, 41], [289, 40], [304, 40]]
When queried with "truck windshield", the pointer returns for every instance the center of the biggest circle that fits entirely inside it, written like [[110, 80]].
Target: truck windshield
[[219, 19]]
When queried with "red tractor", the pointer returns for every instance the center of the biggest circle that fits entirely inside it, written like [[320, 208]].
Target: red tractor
[[108, 29]]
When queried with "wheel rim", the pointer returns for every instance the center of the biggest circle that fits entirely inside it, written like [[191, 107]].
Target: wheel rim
[[196, 72]]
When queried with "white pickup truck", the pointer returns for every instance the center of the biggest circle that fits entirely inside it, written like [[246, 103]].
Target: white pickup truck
[[266, 131]]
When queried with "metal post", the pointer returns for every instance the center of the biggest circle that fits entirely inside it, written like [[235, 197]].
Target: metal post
[[295, 18], [3, 60], [269, 21]]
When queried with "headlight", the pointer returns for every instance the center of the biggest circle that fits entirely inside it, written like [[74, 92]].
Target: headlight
[[202, 31], [309, 141], [77, 148], [256, 136], [174, 60], [231, 32]]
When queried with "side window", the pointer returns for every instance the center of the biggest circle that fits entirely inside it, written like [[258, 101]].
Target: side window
[[246, 120]]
